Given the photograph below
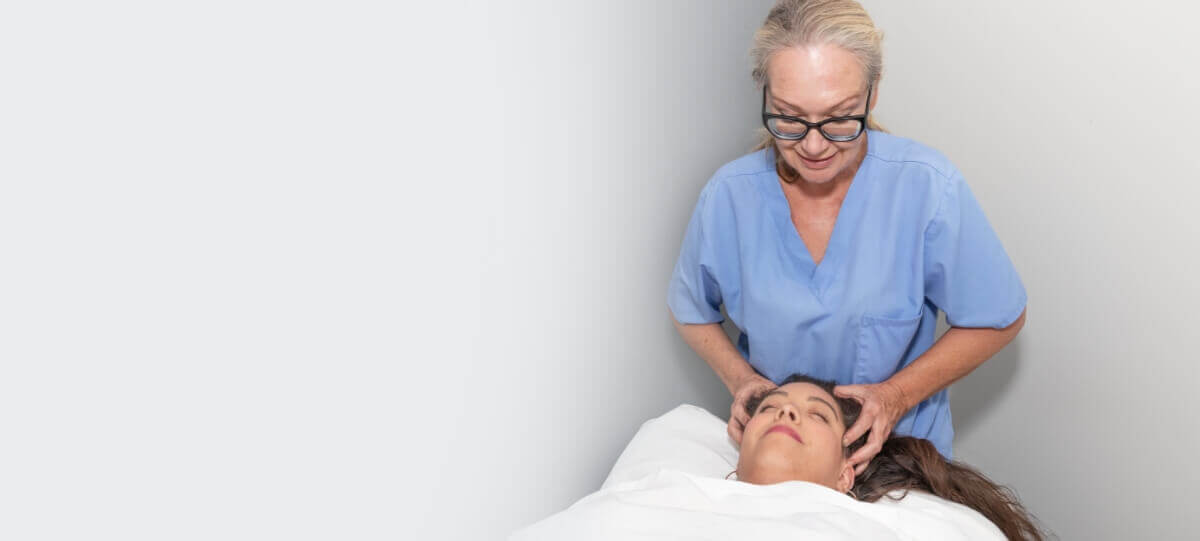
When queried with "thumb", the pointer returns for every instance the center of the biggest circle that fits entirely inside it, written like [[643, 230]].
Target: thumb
[[848, 391]]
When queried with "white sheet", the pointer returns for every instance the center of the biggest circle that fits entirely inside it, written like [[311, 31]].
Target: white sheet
[[668, 484]]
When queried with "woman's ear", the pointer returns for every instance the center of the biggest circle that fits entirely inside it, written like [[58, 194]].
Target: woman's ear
[[845, 480]]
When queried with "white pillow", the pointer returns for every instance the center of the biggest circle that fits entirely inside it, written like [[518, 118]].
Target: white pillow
[[687, 438]]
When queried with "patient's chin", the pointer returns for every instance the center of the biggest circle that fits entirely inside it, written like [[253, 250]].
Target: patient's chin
[[771, 468], [762, 476], [767, 465]]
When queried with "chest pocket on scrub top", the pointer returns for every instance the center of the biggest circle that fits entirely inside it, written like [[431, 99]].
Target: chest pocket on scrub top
[[882, 345]]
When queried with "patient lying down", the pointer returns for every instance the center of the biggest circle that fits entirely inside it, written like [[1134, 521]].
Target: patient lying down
[[795, 434], [792, 482]]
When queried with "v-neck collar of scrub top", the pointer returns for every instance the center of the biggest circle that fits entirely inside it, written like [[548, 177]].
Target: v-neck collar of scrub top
[[820, 276]]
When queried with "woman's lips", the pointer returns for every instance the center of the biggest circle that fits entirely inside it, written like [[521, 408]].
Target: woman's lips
[[818, 164], [786, 430]]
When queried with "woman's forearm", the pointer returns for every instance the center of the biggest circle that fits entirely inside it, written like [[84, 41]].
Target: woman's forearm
[[710, 342], [959, 351]]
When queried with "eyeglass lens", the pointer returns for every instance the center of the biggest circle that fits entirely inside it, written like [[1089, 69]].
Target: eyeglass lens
[[837, 129]]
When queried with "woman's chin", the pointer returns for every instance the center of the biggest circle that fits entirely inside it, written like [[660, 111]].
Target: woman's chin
[[817, 176], [768, 469], [767, 476], [823, 174], [768, 465]]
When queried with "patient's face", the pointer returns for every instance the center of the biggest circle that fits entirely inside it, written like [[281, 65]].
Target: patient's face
[[796, 435]]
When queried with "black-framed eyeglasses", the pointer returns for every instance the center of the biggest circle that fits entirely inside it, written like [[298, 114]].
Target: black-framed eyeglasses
[[837, 129]]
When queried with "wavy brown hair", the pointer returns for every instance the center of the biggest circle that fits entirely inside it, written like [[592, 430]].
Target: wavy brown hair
[[907, 463]]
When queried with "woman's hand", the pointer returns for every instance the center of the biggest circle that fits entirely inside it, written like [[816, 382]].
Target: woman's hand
[[883, 404], [742, 391]]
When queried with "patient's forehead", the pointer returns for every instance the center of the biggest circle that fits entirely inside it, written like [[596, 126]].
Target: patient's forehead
[[802, 390]]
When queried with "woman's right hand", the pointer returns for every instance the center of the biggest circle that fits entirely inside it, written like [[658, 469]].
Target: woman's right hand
[[743, 390]]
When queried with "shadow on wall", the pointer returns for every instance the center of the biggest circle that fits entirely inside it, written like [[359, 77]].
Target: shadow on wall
[[700, 385], [972, 397]]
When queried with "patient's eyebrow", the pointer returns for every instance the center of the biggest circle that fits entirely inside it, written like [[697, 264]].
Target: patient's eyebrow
[[836, 415], [764, 397]]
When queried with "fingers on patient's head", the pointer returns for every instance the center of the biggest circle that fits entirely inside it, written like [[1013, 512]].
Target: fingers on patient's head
[[735, 431], [753, 402]]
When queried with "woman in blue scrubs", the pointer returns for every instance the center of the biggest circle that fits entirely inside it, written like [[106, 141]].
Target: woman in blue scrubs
[[834, 245]]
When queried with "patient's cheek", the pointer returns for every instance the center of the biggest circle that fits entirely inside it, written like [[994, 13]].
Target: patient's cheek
[[751, 434], [753, 427]]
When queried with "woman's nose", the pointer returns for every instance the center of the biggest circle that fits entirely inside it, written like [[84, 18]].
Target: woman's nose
[[788, 412], [814, 144]]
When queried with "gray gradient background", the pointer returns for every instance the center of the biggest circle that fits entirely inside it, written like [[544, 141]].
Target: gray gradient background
[[361, 271]]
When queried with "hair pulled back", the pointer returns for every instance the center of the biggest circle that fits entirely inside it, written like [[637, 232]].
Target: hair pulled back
[[802, 23]]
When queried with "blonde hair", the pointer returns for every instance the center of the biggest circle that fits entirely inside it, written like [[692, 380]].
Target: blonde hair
[[793, 23]]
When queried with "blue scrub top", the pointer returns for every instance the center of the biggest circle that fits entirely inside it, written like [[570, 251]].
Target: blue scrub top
[[910, 239]]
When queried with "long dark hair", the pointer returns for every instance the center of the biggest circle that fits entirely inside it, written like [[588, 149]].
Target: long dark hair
[[907, 463]]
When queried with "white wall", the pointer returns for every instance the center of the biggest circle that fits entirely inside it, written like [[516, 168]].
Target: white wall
[[1075, 124], [289, 270], [604, 120]]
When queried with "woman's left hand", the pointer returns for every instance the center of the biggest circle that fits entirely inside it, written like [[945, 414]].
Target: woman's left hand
[[883, 405]]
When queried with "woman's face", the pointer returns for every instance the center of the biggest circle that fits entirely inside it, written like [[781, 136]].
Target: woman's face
[[796, 435], [815, 83]]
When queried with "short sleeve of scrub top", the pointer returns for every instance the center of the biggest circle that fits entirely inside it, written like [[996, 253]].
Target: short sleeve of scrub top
[[910, 240]]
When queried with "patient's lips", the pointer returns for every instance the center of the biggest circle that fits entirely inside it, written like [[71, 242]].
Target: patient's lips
[[786, 430]]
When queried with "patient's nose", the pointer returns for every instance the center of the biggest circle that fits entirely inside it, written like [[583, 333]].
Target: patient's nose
[[789, 411]]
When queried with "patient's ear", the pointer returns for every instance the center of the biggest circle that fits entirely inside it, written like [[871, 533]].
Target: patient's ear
[[845, 477]]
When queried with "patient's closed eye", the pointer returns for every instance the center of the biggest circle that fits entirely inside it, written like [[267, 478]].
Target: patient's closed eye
[[815, 413]]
